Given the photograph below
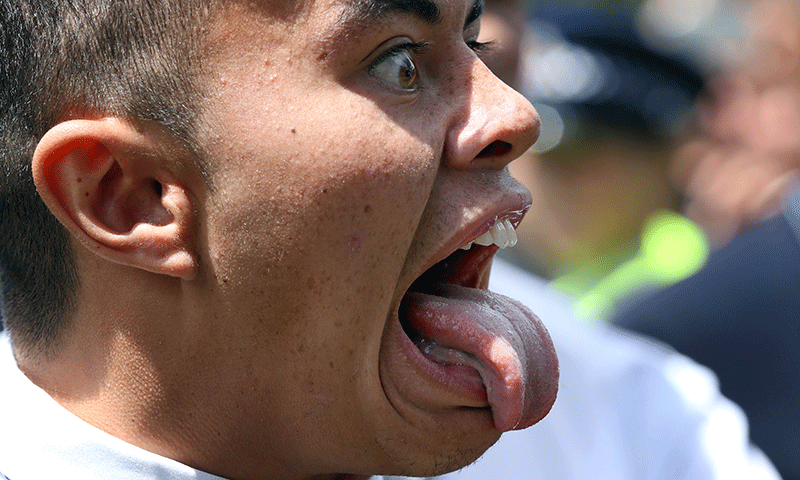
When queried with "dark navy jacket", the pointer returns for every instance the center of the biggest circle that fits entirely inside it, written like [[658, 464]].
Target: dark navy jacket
[[740, 316]]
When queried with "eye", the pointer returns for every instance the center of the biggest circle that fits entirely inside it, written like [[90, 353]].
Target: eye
[[480, 47], [397, 68]]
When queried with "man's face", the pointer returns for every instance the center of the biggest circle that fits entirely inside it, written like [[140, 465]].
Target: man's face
[[354, 145]]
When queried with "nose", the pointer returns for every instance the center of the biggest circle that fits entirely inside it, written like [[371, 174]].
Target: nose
[[494, 125]]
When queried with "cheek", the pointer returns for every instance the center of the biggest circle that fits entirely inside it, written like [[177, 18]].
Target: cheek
[[369, 212], [365, 185], [317, 206], [329, 225]]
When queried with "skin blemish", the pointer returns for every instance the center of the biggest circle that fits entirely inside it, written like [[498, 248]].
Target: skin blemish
[[354, 244]]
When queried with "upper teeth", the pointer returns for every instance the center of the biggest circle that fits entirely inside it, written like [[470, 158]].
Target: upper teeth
[[501, 234]]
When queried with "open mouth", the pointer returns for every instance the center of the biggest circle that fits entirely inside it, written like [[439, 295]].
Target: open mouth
[[480, 343], [467, 268]]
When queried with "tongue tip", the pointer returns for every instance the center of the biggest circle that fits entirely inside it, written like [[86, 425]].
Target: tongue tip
[[506, 423], [517, 413]]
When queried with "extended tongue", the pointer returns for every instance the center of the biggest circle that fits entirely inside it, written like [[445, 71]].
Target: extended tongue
[[500, 338]]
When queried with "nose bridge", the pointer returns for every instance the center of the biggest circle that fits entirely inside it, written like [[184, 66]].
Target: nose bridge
[[495, 125]]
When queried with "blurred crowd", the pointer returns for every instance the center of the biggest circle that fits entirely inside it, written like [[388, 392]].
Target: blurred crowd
[[665, 184], [686, 107]]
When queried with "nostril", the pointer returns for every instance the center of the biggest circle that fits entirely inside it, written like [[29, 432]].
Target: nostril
[[498, 148]]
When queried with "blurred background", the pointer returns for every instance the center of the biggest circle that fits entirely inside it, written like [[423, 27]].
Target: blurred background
[[664, 120], [665, 180]]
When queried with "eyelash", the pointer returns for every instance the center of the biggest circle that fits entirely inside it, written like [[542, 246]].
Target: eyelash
[[416, 48], [419, 47], [480, 47]]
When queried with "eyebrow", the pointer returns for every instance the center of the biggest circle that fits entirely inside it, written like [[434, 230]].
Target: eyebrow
[[474, 13], [368, 11], [362, 14]]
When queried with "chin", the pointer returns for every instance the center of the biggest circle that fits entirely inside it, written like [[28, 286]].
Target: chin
[[431, 464]]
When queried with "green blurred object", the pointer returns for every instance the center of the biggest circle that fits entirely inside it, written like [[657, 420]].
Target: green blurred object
[[671, 249]]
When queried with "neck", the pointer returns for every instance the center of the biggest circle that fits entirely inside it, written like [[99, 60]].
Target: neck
[[111, 358]]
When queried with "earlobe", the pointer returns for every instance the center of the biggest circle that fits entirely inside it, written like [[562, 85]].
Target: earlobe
[[109, 184]]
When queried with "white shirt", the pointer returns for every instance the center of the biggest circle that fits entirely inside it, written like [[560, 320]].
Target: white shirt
[[626, 410]]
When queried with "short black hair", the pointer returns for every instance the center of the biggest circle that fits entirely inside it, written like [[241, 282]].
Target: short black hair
[[62, 59]]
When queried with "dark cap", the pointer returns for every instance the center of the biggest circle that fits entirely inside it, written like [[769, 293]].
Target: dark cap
[[592, 68]]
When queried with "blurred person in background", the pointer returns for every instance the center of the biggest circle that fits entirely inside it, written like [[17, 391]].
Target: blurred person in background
[[605, 208], [626, 408], [741, 159], [739, 314]]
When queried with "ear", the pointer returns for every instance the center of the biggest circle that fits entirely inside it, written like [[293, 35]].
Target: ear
[[111, 186]]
